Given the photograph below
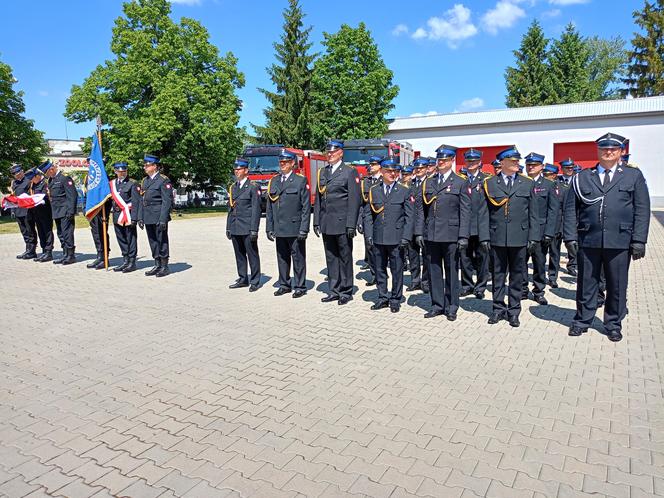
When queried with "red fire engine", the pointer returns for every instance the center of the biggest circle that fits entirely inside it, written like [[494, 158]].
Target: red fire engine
[[264, 164], [358, 152]]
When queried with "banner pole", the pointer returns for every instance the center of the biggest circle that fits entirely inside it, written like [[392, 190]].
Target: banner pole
[[103, 206]]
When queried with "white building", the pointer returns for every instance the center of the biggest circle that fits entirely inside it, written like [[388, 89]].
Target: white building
[[557, 131]]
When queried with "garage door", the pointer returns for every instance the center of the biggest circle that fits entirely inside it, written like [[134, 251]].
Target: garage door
[[583, 153], [488, 154]]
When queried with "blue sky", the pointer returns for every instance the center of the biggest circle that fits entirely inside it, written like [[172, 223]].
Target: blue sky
[[446, 56]]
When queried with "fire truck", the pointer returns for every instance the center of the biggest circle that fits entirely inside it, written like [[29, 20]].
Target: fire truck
[[264, 164], [357, 152]]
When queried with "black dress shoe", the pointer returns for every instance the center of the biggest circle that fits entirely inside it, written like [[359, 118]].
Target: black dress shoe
[[364, 267], [425, 289], [253, 288], [100, 265], [451, 317], [479, 295], [329, 299], [571, 271], [394, 308], [344, 300], [371, 281], [465, 292], [238, 285], [93, 264], [413, 288], [525, 295], [495, 318], [433, 314], [514, 321], [380, 305], [553, 284], [614, 335], [299, 293], [540, 300], [575, 331], [281, 291]]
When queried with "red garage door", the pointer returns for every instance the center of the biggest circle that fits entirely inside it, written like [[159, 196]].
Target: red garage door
[[488, 154], [583, 153]]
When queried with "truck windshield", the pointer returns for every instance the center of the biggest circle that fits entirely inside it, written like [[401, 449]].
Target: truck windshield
[[363, 154], [263, 164]]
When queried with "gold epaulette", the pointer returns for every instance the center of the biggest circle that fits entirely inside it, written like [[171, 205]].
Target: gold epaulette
[[631, 165], [164, 176], [525, 176], [461, 175]]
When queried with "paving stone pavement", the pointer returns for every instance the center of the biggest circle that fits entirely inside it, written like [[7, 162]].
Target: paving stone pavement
[[124, 385]]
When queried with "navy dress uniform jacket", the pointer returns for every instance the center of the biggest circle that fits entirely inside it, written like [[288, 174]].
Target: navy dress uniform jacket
[[244, 215], [516, 221], [288, 206], [561, 191], [621, 218], [338, 199], [443, 210], [130, 191], [390, 218], [63, 195], [479, 215], [157, 200], [548, 206], [19, 187]]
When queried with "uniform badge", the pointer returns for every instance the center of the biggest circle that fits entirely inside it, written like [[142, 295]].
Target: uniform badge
[[449, 188], [357, 180], [70, 182], [470, 190], [477, 187], [308, 187], [412, 199], [168, 185]]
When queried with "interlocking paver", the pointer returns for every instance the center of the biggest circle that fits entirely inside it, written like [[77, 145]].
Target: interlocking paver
[[280, 397]]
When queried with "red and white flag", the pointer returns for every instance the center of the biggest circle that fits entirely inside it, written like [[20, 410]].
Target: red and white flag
[[22, 201]]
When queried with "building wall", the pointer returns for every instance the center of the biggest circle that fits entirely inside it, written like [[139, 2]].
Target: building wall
[[645, 132]]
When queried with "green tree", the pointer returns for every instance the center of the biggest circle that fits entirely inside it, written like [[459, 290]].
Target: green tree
[[352, 87], [166, 91], [527, 82], [569, 71], [288, 117], [19, 141], [606, 65], [645, 72]]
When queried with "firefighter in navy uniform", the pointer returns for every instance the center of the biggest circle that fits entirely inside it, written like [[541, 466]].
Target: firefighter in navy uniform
[[242, 224], [373, 178], [21, 185], [42, 216], [442, 223], [548, 206], [63, 195], [606, 219], [126, 195], [513, 229], [419, 270], [154, 213], [560, 190], [475, 259], [288, 215], [389, 223], [336, 211], [569, 169]]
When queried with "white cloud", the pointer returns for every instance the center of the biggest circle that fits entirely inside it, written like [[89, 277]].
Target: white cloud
[[551, 13], [567, 2], [470, 105], [420, 114], [187, 2], [504, 15], [400, 29], [43, 93], [453, 27]]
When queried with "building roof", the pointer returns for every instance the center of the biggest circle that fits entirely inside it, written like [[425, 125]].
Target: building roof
[[581, 110]]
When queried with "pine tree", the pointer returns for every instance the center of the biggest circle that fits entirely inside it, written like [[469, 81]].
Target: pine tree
[[288, 117], [645, 72], [526, 83], [351, 86], [569, 71]]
